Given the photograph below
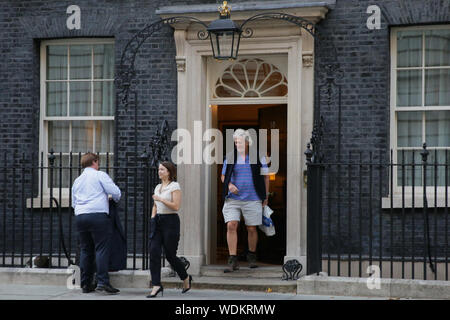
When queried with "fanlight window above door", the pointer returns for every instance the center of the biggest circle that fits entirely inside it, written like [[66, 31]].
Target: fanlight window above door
[[251, 78]]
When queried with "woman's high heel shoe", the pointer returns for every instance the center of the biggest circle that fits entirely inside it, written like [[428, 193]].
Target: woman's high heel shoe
[[161, 289], [190, 286]]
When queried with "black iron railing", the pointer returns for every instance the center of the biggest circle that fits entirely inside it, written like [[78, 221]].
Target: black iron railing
[[367, 210], [37, 219]]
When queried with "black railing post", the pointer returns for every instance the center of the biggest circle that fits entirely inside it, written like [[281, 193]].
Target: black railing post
[[349, 203], [314, 259], [51, 162], [424, 154], [59, 207], [413, 221], [23, 205], [435, 209], [403, 212], [71, 210], [370, 207], [360, 214], [4, 197], [446, 215], [380, 211], [31, 208], [41, 202], [145, 197], [13, 233], [391, 212]]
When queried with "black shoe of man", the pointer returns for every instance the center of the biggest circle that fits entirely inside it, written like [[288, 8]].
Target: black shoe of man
[[106, 290], [232, 264], [88, 288], [251, 258]]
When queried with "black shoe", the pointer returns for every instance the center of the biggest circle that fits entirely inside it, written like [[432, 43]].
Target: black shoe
[[107, 289], [190, 286], [88, 288], [161, 289], [251, 258], [232, 264]]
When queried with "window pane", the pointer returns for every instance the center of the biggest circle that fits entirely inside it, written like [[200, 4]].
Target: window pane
[[104, 98], [407, 169], [75, 165], [409, 129], [104, 136], [438, 128], [80, 62], [82, 136], [276, 80], [263, 72], [106, 166], [80, 98], [437, 172], [104, 61], [409, 49], [224, 43], [251, 78], [58, 136], [60, 172], [66, 173], [56, 99], [437, 87], [437, 48], [409, 88], [57, 62]]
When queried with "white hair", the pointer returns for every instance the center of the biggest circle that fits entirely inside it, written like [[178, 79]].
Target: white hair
[[241, 133]]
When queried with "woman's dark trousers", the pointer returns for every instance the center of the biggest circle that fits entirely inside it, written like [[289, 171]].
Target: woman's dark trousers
[[165, 233], [95, 230]]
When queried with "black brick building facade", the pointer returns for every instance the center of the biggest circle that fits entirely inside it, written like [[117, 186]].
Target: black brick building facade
[[364, 57]]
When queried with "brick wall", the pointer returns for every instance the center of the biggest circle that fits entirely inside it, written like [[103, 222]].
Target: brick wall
[[363, 54], [23, 25], [364, 58]]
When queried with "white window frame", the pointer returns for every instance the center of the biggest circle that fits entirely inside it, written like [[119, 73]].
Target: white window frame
[[43, 120], [396, 193]]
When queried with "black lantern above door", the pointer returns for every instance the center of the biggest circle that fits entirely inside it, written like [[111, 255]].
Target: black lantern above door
[[225, 35]]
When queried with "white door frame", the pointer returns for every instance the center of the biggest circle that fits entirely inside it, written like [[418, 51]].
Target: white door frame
[[193, 105]]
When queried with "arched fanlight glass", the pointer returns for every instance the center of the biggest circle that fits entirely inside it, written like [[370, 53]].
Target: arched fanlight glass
[[225, 35], [251, 78]]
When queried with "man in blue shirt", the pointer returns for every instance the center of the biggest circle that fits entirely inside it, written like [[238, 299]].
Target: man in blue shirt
[[246, 189], [90, 200]]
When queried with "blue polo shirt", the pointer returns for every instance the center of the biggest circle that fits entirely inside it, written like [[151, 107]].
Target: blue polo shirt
[[243, 180]]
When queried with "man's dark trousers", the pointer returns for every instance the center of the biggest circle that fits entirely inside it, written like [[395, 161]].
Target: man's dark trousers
[[95, 230]]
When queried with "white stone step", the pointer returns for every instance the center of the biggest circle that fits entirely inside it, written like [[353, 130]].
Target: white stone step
[[262, 272]]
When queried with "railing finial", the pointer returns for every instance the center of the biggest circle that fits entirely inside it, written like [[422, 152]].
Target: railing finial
[[424, 153]]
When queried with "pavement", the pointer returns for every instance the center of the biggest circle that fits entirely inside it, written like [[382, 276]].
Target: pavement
[[45, 292]]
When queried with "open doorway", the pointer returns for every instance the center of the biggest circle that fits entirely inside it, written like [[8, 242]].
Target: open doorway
[[270, 250]]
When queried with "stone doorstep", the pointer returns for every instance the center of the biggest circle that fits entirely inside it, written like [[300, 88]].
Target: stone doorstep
[[236, 284], [141, 279], [389, 288], [262, 272]]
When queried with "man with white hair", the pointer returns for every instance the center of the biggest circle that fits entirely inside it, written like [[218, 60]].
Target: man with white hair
[[245, 189]]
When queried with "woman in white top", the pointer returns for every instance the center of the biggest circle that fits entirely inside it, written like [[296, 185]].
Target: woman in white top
[[165, 228]]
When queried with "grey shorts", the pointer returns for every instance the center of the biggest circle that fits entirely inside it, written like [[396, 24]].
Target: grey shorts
[[251, 210]]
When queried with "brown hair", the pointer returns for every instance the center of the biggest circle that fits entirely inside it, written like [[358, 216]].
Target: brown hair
[[171, 168], [88, 159]]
